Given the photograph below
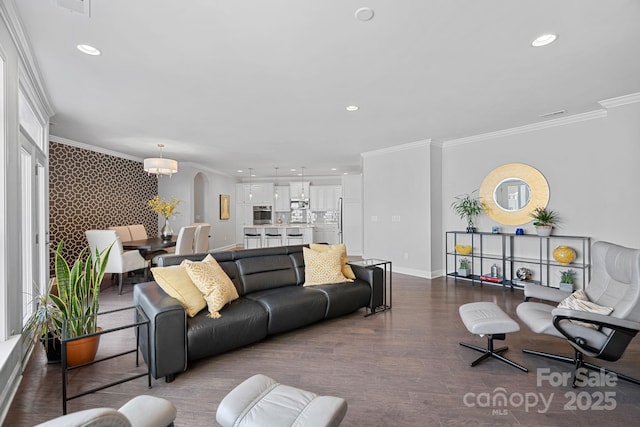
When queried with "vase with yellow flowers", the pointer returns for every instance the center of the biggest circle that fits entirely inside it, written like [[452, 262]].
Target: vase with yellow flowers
[[164, 207]]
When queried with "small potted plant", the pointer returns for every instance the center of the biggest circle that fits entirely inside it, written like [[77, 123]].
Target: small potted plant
[[566, 280], [464, 267], [544, 220], [468, 207]]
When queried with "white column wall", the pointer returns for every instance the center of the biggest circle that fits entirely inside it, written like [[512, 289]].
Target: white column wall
[[397, 183]]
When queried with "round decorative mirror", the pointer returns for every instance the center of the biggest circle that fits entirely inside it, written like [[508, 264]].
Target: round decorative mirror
[[510, 192]]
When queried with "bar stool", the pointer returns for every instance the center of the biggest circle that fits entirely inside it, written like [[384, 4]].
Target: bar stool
[[252, 234], [272, 234], [294, 234]]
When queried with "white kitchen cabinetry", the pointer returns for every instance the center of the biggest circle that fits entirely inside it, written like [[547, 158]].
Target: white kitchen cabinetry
[[262, 193], [282, 203], [324, 198], [296, 189], [326, 233]]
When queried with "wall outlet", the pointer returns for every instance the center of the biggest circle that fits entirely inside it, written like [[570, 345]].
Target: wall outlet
[[395, 218], [405, 255], [374, 218]]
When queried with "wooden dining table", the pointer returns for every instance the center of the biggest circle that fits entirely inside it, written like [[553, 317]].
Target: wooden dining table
[[151, 244]]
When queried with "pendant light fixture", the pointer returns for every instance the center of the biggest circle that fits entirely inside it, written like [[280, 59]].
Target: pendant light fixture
[[275, 187], [160, 165], [250, 188], [302, 184]]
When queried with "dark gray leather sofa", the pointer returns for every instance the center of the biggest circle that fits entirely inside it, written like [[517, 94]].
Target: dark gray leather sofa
[[272, 300]]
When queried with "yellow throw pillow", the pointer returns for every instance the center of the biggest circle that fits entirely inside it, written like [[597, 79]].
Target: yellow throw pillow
[[321, 268], [175, 281], [213, 282], [346, 268]]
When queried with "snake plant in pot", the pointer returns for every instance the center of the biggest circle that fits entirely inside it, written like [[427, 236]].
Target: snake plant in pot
[[72, 311]]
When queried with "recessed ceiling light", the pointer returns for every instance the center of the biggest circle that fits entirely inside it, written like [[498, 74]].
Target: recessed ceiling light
[[239, 171], [88, 49], [364, 14], [292, 170], [353, 108], [544, 40], [334, 169]]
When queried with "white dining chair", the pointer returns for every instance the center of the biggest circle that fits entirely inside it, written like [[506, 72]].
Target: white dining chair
[[138, 232], [119, 261], [201, 239], [184, 243], [123, 233]]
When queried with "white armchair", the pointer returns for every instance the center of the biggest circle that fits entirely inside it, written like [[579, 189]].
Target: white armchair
[[141, 411], [119, 262]]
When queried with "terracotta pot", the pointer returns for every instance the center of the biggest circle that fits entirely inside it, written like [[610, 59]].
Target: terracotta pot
[[83, 350]]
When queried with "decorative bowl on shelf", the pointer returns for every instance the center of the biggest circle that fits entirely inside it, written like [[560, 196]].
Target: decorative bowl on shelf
[[463, 249], [564, 255]]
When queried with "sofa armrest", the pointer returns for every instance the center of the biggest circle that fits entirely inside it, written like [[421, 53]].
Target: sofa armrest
[[167, 331], [374, 277]]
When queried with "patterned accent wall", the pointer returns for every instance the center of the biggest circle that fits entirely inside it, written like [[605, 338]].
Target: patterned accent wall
[[89, 190]]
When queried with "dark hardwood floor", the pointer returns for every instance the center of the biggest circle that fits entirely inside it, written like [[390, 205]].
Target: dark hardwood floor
[[403, 367]]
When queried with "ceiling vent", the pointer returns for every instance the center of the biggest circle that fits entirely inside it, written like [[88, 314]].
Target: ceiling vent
[[82, 7], [553, 113]]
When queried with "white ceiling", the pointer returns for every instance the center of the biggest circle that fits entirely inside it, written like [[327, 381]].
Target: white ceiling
[[253, 83]]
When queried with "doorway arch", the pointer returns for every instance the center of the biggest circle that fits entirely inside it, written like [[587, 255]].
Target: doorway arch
[[200, 182]]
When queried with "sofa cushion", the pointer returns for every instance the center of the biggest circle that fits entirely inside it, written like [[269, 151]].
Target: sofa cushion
[[291, 307], [175, 281], [213, 282], [243, 322], [342, 248], [322, 267], [266, 272], [344, 298]]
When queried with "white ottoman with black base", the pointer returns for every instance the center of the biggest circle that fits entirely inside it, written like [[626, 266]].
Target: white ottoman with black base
[[262, 402], [487, 319]]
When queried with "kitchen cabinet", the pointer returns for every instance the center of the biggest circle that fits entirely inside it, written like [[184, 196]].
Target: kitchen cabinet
[[282, 203], [326, 233], [262, 193], [296, 188], [324, 198]]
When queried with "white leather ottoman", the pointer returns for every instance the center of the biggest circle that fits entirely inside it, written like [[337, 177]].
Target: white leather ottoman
[[262, 402], [487, 319]]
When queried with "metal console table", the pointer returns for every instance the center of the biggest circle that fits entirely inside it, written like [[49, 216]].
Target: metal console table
[[143, 321], [387, 281]]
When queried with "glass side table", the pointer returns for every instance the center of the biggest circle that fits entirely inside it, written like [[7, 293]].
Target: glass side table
[[127, 324], [387, 281]]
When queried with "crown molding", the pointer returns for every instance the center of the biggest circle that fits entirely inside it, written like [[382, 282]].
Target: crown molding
[[16, 29], [620, 100], [396, 148], [93, 148], [576, 118], [200, 167]]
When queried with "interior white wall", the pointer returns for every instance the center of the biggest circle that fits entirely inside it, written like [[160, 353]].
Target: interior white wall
[[397, 182], [181, 185], [591, 167]]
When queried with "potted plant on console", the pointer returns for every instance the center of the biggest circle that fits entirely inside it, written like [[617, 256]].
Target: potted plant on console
[[73, 303], [464, 268], [544, 220], [566, 280], [468, 207]]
